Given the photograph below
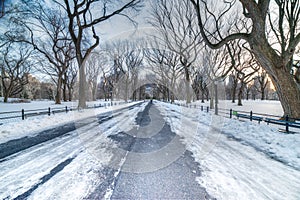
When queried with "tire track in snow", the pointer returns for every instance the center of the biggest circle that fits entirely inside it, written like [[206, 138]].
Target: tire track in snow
[[50, 156], [45, 178]]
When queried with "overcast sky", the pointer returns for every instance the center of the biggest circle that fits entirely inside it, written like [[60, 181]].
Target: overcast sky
[[119, 27]]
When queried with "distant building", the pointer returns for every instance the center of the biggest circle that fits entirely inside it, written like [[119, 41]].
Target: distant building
[[32, 89]]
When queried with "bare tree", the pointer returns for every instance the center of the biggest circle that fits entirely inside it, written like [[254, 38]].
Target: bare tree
[[106, 80], [166, 65], [132, 61], [82, 21], [248, 88], [261, 82], [15, 69], [103, 90], [54, 45], [175, 23], [233, 83], [200, 85], [245, 79], [245, 66], [70, 79], [47, 90], [115, 77], [272, 24], [95, 63], [217, 64]]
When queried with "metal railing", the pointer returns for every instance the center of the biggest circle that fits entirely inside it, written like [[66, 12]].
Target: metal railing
[[286, 121], [24, 114]]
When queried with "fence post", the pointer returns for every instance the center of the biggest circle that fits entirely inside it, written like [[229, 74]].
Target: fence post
[[201, 108], [251, 114], [23, 114], [207, 109], [230, 113], [287, 123], [66, 109], [49, 111]]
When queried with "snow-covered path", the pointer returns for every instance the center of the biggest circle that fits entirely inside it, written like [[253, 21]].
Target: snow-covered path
[[114, 155], [66, 167], [156, 165], [231, 169], [235, 171]]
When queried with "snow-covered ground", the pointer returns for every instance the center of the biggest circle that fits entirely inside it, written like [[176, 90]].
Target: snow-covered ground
[[67, 167], [30, 126], [256, 106], [8, 107], [239, 160]]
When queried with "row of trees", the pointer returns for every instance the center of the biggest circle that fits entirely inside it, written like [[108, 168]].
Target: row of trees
[[243, 36], [119, 66], [271, 31], [196, 45], [59, 38], [178, 49]]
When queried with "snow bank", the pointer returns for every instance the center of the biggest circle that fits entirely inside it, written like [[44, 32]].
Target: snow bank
[[238, 160], [257, 106], [33, 125], [278, 145]]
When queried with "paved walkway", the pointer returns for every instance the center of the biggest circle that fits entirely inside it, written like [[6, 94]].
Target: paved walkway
[[154, 163]]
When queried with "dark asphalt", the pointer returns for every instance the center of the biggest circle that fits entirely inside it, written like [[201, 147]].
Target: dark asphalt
[[157, 165]]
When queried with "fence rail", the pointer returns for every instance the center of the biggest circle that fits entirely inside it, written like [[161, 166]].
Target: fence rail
[[9, 116], [284, 121]]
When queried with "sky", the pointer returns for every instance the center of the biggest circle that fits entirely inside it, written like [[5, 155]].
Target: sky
[[116, 28], [119, 27]]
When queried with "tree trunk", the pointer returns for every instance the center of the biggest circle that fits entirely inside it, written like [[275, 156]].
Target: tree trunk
[[240, 95], [247, 94], [212, 98], [65, 90], [234, 92], [202, 96], [133, 95], [187, 89], [58, 90], [187, 85], [5, 100], [94, 90], [140, 92], [65, 93], [70, 94], [262, 94], [216, 98], [82, 87], [207, 95], [288, 92]]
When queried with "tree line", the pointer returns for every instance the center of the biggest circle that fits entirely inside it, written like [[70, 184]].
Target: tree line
[[195, 46]]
